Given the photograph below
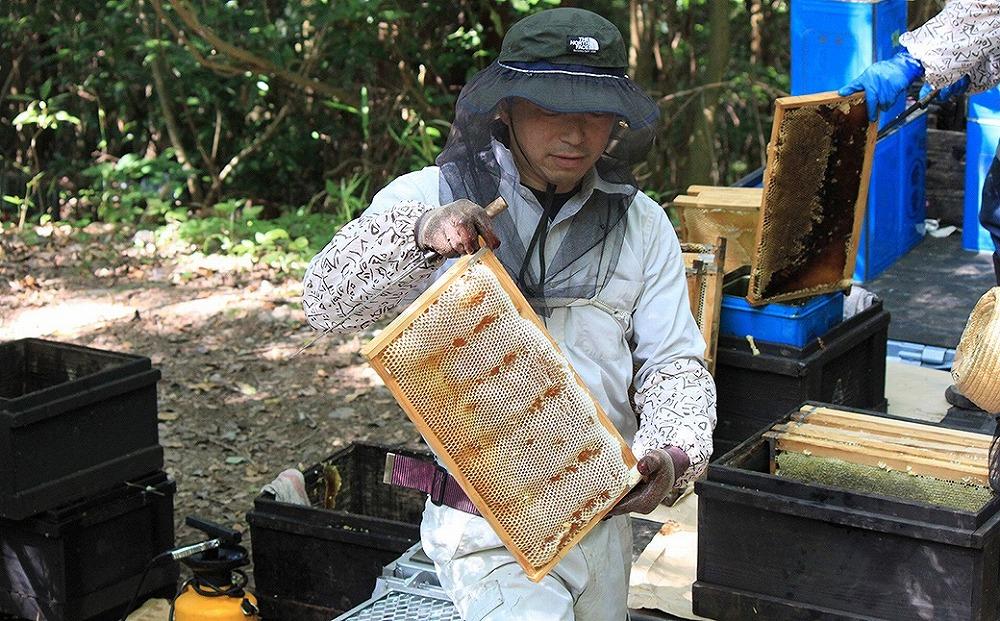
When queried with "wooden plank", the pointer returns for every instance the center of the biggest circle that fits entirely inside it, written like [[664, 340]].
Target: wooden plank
[[705, 276], [827, 434], [846, 434], [883, 459], [700, 189], [917, 429]]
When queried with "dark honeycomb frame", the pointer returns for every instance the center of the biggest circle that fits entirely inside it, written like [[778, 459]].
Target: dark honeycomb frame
[[815, 192]]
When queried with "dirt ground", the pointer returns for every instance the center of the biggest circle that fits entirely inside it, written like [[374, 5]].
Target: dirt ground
[[236, 405]]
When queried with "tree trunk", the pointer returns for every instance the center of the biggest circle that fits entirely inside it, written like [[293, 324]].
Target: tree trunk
[[160, 71], [756, 31], [642, 49], [701, 166]]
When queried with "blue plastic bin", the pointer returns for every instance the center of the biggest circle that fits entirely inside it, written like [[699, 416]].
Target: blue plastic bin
[[897, 200], [981, 138], [833, 41], [786, 324], [985, 105]]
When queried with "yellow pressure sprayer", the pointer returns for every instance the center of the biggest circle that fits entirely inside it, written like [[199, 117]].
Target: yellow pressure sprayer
[[216, 590]]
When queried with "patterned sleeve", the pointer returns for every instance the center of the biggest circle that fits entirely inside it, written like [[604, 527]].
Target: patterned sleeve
[[675, 395], [355, 280], [963, 39], [676, 407]]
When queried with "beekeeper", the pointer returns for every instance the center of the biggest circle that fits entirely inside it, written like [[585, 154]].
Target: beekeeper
[[554, 126], [957, 50]]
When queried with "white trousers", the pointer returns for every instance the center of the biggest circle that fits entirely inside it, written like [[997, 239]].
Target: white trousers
[[484, 581]]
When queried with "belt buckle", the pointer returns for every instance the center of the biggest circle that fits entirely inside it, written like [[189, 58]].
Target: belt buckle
[[438, 484]]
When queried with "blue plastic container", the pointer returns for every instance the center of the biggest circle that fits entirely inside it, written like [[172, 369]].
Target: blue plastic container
[[981, 138], [787, 324], [985, 105], [833, 41], [897, 200]]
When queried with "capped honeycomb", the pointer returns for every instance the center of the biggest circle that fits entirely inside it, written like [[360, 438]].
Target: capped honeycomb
[[475, 370], [815, 189]]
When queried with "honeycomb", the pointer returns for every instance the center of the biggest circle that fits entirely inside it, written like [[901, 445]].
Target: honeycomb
[[737, 225], [811, 199], [505, 411]]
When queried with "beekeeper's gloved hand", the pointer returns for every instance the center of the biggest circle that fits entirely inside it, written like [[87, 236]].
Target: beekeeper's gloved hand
[[947, 92], [885, 81], [659, 469], [454, 229]]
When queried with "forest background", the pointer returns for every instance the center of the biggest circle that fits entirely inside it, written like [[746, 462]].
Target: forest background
[[257, 127]]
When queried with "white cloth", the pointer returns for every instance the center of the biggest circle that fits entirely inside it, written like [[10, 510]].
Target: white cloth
[[963, 39], [486, 584]]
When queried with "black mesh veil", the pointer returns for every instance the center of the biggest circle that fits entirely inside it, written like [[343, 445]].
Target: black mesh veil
[[476, 164]]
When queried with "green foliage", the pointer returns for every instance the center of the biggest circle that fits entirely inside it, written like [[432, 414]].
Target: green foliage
[[120, 112], [135, 189], [234, 228]]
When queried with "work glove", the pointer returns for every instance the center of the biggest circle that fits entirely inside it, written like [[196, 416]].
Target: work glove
[[454, 229], [659, 469], [947, 92], [885, 81], [289, 486]]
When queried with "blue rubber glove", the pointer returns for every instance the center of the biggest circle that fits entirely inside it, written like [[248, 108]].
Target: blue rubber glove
[[947, 92], [885, 81]]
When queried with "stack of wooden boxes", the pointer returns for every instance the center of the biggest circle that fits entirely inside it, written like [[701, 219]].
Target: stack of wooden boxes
[[84, 501]]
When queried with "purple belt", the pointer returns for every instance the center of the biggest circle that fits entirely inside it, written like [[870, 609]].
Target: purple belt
[[428, 477]]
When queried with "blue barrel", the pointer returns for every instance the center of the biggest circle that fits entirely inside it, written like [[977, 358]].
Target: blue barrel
[[833, 41], [981, 138]]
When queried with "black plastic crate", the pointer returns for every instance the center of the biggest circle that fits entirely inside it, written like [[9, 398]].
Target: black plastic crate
[[777, 548], [844, 367], [84, 560], [73, 421], [311, 563]]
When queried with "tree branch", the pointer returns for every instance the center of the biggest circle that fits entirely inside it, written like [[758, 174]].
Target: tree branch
[[251, 60]]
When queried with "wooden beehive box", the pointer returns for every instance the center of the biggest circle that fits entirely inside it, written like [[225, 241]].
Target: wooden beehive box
[[774, 547], [474, 369], [815, 192]]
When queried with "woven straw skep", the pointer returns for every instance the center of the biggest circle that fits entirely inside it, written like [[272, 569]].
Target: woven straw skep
[[976, 369]]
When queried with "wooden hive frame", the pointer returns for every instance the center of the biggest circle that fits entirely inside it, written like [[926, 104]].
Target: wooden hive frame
[[703, 264], [375, 352], [910, 447], [731, 212], [818, 255]]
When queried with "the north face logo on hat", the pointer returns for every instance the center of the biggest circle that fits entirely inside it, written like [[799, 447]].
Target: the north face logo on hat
[[583, 45]]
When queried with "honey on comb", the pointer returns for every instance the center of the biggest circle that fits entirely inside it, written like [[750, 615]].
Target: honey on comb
[[501, 406], [811, 198]]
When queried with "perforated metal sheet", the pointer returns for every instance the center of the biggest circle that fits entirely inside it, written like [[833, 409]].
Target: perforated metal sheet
[[815, 190], [491, 393], [404, 606]]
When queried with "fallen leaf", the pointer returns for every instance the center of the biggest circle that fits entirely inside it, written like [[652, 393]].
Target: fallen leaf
[[234, 460]]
